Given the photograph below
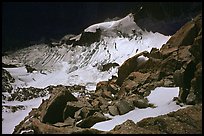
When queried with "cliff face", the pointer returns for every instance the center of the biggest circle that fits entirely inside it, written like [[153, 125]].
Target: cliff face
[[177, 63]]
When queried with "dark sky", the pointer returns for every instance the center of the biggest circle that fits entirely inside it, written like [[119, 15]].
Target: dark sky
[[23, 22], [31, 21]]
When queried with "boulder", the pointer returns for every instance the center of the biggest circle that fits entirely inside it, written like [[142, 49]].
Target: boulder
[[141, 103], [56, 104], [113, 110], [123, 107], [84, 113], [71, 108]]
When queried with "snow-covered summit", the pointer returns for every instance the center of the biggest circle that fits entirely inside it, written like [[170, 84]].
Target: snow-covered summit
[[125, 25]]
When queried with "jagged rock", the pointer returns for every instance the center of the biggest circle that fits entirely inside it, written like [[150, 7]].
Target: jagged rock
[[168, 67], [151, 65], [84, 113], [132, 82], [91, 120], [103, 104], [82, 108], [184, 54], [123, 106], [128, 66], [113, 110], [71, 108]]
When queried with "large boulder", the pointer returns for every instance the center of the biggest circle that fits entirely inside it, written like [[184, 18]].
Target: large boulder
[[56, 105], [123, 106], [113, 110]]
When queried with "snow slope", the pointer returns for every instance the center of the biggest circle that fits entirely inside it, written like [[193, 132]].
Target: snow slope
[[161, 97]]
